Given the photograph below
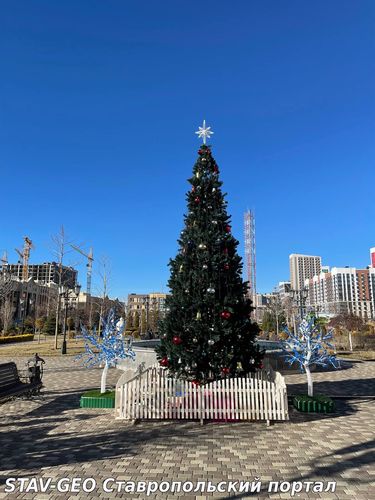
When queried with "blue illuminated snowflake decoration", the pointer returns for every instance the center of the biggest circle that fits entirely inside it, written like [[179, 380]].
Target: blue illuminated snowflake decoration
[[108, 348], [310, 345]]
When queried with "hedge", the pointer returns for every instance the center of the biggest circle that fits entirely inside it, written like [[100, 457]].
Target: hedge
[[16, 338]]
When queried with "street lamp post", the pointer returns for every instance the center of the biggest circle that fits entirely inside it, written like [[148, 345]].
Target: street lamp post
[[66, 294], [300, 297]]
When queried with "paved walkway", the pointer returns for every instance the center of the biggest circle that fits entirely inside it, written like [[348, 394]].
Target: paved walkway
[[54, 438]]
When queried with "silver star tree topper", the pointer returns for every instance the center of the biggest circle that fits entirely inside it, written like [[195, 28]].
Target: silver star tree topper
[[204, 132]]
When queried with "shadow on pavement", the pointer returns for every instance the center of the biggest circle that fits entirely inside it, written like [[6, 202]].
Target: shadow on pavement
[[349, 388], [44, 446], [360, 455]]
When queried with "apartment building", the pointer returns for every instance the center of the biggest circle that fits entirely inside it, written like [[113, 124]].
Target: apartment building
[[283, 288], [343, 290], [303, 267], [28, 298], [46, 273], [154, 301]]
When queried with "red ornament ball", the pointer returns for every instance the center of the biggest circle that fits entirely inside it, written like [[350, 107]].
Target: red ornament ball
[[177, 340], [225, 370], [225, 314], [225, 251], [226, 267], [228, 228], [216, 169], [261, 365], [200, 151], [195, 382], [197, 199], [164, 361], [193, 189]]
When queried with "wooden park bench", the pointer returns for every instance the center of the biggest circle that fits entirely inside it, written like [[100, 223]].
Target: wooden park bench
[[11, 385]]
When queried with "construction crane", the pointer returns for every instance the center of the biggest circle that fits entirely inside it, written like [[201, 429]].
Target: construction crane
[[90, 259], [25, 255], [249, 223]]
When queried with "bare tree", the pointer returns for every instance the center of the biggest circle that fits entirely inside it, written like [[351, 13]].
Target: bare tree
[[290, 310], [6, 283], [7, 312], [104, 273], [276, 308], [349, 323], [60, 245]]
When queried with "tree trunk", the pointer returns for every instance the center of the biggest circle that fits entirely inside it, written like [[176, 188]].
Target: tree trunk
[[104, 378], [57, 321], [277, 325], [100, 321], [310, 390], [350, 341], [294, 325]]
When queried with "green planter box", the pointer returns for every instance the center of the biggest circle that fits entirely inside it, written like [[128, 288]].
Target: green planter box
[[94, 399], [315, 404]]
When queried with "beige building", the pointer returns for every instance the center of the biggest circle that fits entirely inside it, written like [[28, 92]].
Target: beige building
[[145, 310], [146, 302], [303, 267]]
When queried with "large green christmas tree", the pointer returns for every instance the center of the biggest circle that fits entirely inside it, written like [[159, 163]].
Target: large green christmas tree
[[207, 332]]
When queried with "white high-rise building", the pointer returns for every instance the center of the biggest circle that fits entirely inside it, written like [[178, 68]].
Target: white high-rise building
[[303, 267], [343, 290]]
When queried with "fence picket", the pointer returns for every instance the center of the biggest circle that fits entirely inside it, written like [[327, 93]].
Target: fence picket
[[236, 412], [264, 402], [248, 397], [271, 404], [243, 399], [142, 397], [210, 401], [153, 397], [226, 401], [237, 397], [185, 400], [219, 396], [130, 400], [156, 394], [164, 395]]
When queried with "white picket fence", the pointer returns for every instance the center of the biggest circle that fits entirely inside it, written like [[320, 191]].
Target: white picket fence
[[152, 394]]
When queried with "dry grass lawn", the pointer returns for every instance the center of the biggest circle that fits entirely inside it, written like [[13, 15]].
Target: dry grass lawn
[[362, 355], [45, 347]]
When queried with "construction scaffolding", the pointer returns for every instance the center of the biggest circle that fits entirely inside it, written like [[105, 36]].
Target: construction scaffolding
[[249, 225]]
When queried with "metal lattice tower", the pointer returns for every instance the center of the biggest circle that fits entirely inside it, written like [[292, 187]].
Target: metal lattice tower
[[249, 222]]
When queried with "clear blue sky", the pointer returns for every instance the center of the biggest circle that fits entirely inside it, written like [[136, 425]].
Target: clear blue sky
[[100, 101]]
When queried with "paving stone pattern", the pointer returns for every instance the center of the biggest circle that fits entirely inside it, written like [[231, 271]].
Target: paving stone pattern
[[55, 438]]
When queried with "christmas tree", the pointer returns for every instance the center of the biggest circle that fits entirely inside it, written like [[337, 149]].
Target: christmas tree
[[207, 332]]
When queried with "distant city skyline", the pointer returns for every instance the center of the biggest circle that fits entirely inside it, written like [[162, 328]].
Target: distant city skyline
[[98, 117], [164, 289]]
